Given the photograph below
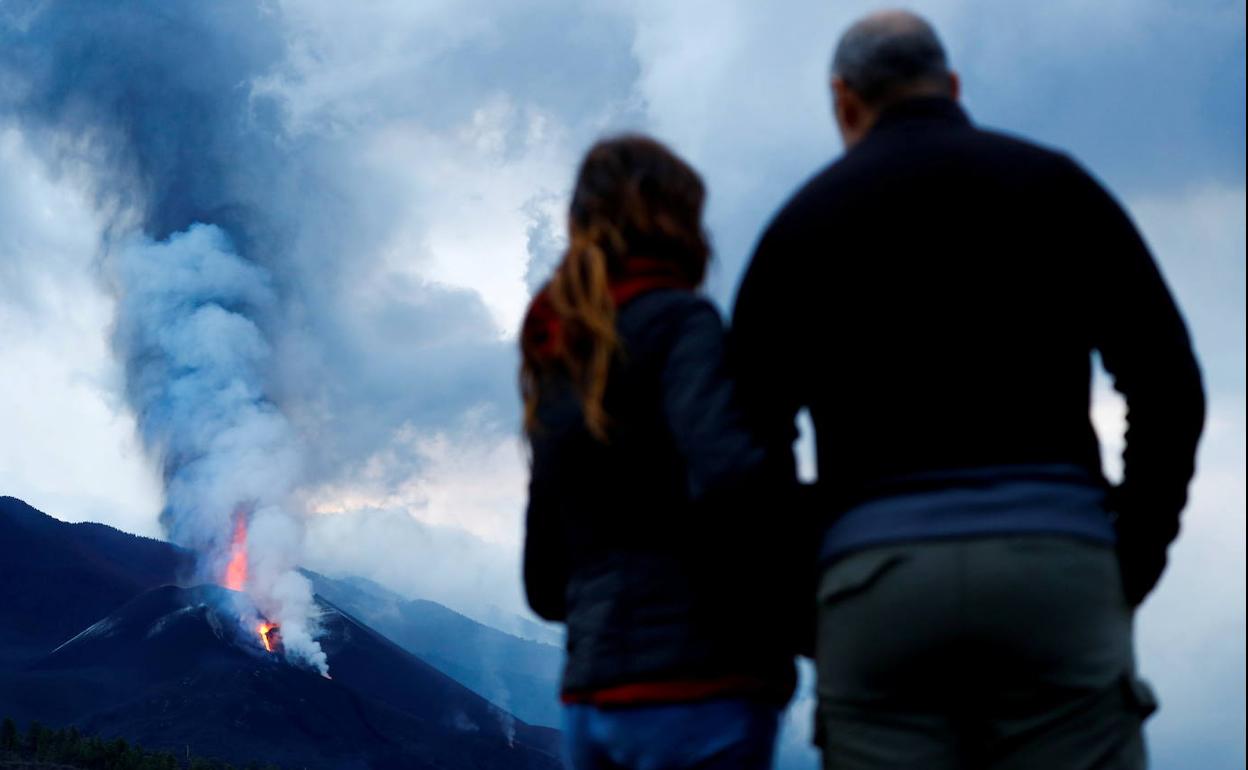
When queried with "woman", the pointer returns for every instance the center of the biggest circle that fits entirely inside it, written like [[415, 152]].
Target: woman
[[654, 517]]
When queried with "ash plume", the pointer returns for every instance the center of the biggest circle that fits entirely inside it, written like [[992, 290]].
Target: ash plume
[[270, 172], [152, 103]]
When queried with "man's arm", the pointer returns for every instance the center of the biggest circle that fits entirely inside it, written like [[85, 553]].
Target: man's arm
[[747, 488], [1144, 345], [769, 368]]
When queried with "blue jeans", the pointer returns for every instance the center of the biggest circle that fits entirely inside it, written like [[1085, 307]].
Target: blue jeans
[[720, 734]]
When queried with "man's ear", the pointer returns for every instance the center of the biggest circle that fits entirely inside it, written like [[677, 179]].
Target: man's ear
[[845, 105], [955, 86]]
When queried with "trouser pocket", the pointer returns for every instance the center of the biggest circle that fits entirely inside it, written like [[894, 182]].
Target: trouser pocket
[[841, 585], [1139, 695], [855, 573]]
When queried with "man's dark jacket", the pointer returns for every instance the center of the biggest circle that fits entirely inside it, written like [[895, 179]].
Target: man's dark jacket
[[935, 298], [658, 547]]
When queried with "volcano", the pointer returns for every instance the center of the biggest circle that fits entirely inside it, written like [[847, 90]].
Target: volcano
[[173, 667]]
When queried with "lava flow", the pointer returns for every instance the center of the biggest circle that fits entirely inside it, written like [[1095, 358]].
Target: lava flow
[[236, 570], [271, 636]]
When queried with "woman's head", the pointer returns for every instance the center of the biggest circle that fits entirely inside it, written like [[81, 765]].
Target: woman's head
[[636, 215], [636, 198]]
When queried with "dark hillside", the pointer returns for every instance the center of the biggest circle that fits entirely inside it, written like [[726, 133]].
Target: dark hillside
[[518, 674], [56, 578], [95, 636], [172, 668]]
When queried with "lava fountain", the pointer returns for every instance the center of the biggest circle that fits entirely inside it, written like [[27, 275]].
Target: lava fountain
[[236, 569]]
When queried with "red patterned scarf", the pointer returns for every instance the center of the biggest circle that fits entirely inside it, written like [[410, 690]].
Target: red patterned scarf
[[543, 327]]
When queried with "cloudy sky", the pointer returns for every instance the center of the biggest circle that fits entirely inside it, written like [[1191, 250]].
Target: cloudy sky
[[400, 169]]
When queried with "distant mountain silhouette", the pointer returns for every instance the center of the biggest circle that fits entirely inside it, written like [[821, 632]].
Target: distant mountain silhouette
[[89, 636], [517, 674]]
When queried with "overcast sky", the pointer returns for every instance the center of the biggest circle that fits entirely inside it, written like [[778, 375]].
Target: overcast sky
[[415, 164]]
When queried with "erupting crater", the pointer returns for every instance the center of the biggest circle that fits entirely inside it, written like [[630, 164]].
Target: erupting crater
[[235, 579], [270, 636]]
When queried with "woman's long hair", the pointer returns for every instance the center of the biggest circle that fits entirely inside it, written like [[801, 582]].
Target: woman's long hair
[[635, 204]]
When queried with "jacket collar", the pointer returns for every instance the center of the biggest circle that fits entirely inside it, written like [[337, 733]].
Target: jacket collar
[[925, 108]]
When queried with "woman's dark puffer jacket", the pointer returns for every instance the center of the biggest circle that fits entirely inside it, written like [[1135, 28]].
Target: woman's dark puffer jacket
[[672, 551]]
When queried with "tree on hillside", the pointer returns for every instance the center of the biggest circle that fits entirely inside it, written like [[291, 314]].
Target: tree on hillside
[[36, 738], [8, 735]]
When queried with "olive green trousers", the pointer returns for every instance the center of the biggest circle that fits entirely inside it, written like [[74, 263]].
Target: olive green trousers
[[999, 653]]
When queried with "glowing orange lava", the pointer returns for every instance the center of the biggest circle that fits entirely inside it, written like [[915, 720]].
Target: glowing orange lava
[[236, 570], [270, 635]]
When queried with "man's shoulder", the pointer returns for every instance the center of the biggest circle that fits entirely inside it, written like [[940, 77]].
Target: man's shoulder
[[877, 164], [1004, 141], [1050, 168], [820, 192]]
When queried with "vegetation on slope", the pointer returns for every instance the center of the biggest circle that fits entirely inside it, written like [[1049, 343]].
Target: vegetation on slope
[[43, 748]]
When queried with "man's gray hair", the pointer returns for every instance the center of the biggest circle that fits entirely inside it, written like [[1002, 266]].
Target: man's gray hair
[[888, 54]]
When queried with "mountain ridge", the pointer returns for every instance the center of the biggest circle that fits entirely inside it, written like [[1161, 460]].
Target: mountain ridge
[[162, 665]]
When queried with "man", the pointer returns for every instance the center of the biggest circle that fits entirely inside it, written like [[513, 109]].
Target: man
[[934, 298]]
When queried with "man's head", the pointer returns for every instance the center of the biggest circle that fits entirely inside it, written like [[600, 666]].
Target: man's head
[[882, 59]]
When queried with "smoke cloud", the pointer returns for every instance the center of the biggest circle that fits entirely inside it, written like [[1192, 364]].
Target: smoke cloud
[[156, 108], [288, 322], [195, 362]]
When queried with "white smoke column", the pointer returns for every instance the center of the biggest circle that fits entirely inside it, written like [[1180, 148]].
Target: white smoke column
[[281, 593], [197, 360]]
